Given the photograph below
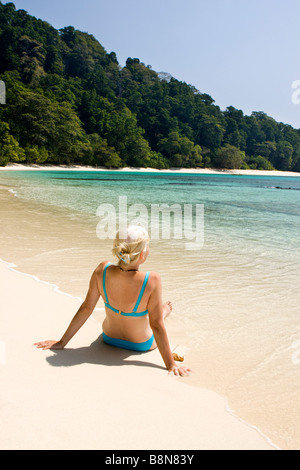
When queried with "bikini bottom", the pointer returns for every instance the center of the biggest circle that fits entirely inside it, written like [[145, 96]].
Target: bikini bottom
[[123, 344]]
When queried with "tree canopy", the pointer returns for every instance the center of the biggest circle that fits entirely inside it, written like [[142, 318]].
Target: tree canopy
[[69, 101]]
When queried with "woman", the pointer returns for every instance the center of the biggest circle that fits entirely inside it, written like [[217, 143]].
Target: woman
[[133, 303]]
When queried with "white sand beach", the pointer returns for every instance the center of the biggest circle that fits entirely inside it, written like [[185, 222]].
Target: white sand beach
[[92, 396], [23, 167]]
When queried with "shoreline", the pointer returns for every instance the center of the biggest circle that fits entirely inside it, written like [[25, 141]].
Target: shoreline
[[209, 171], [205, 423], [57, 288]]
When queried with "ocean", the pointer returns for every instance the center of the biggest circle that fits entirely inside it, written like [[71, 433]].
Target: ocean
[[227, 248]]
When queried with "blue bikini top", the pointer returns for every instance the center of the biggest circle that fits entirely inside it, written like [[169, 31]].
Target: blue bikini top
[[134, 313]]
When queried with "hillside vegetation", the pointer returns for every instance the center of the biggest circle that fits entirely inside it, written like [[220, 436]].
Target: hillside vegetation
[[68, 101]]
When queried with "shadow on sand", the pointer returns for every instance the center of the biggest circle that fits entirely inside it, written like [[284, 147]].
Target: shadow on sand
[[98, 353]]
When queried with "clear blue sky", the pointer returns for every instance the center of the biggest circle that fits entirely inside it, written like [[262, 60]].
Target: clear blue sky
[[244, 53]]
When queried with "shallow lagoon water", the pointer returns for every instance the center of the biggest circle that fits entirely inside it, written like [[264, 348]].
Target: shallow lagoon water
[[236, 298]]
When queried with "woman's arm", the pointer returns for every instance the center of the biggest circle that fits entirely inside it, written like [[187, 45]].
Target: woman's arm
[[84, 312], [156, 318]]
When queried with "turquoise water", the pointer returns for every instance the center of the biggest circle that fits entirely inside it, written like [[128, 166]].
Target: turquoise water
[[254, 208], [236, 297]]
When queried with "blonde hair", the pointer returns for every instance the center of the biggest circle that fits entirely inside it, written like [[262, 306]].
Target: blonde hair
[[133, 242]]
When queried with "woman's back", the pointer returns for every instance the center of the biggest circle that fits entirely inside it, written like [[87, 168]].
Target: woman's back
[[125, 291], [126, 295]]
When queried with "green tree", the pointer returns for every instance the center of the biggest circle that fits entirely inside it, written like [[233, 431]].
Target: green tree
[[35, 120], [229, 157], [32, 59], [10, 151], [260, 163], [158, 161], [180, 151], [123, 133], [209, 132], [83, 53], [34, 154], [103, 154], [284, 155]]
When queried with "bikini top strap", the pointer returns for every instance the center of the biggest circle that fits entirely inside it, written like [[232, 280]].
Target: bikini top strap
[[104, 278], [141, 293]]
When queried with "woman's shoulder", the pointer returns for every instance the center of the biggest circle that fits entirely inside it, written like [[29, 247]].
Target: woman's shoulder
[[101, 266], [154, 278]]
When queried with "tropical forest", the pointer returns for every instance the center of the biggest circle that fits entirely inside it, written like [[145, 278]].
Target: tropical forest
[[69, 102]]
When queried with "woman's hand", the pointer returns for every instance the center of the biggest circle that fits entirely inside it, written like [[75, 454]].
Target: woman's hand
[[180, 370], [49, 345]]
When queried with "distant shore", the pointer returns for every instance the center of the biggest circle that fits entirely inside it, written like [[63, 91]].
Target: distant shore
[[23, 167]]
